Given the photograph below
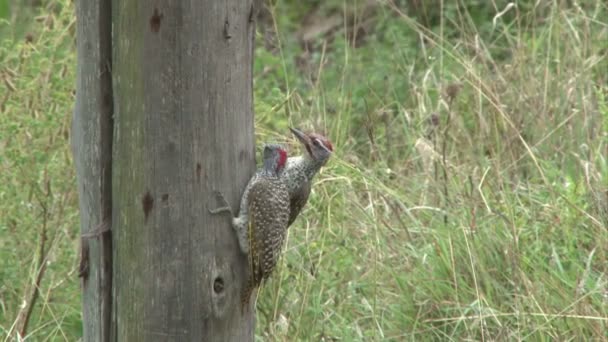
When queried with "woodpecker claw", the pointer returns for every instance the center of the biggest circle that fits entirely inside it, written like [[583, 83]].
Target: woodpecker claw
[[225, 208]]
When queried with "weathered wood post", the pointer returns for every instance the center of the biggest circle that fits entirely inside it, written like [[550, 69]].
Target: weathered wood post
[[92, 150], [163, 116]]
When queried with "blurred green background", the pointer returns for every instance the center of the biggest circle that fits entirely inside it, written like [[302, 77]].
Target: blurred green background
[[467, 198]]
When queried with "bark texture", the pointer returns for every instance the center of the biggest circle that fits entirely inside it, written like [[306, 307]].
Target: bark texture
[[152, 139], [92, 150]]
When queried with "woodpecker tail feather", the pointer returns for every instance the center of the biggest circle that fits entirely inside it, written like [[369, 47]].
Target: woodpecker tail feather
[[246, 294]]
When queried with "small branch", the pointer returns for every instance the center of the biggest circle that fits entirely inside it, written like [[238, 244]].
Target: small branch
[[395, 210], [444, 167], [33, 292], [83, 267], [451, 92]]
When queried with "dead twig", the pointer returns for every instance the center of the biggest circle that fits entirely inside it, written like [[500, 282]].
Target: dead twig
[[33, 291]]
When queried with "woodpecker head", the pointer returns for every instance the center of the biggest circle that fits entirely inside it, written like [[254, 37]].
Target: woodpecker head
[[318, 147], [275, 157]]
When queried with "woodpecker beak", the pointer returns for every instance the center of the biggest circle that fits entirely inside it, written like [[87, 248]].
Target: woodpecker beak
[[300, 135]]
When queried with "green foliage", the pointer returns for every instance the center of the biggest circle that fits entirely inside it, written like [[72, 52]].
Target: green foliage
[[4, 10], [38, 199], [466, 199]]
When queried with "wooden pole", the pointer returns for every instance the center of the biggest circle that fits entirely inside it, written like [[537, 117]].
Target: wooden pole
[[181, 125]]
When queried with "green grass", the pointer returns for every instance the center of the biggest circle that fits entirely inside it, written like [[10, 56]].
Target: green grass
[[489, 225]]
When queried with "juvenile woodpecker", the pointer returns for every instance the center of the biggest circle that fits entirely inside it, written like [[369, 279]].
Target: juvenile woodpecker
[[301, 170], [262, 221]]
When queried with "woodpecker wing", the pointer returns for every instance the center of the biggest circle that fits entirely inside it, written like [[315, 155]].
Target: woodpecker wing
[[297, 201], [268, 216]]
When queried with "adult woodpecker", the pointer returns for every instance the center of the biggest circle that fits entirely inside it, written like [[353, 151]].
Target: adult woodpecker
[[262, 221], [301, 170]]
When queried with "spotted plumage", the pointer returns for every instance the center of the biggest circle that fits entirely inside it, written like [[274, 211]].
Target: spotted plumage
[[268, 206], [262, 221], [301, 170]]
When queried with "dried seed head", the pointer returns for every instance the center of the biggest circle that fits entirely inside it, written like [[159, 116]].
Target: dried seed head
[[452, 90]]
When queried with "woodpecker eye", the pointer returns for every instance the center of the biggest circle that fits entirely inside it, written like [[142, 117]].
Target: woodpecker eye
[[315, 142]]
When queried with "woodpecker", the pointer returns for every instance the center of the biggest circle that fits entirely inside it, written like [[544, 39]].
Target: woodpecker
[[262, 221], [301, 170]]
